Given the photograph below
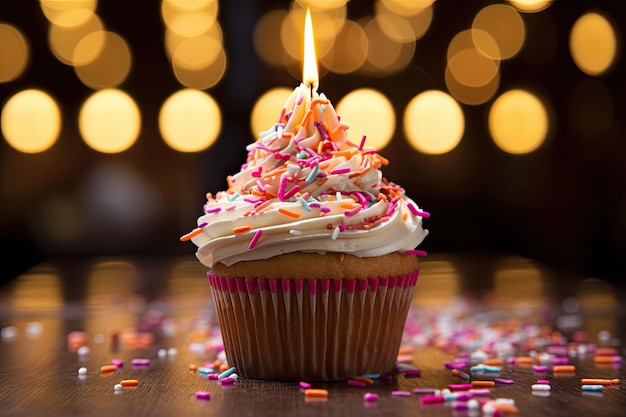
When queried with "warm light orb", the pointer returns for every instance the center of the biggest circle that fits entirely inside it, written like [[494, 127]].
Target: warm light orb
[[189, 19], [531, 6], [64, 40], [266, 36], [190, 120], [518, 122], [266, 109], [111, 66], [593, 44], [506, 27], [68, 13], [434, 122], [349, 51], [109, 121], [368, 113], [14, 53], [31, 121], [406, 8]]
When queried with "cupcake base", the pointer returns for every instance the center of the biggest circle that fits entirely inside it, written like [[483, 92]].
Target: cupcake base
[[313, 329]]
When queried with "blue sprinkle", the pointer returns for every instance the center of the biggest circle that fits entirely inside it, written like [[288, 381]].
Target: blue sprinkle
[[592, 387], [304, 204], [227, 373]]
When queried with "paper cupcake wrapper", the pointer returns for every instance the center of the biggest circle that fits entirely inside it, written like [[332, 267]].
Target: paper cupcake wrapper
[[312, 329]]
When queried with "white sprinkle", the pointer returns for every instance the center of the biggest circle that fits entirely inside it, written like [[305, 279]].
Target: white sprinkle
[[473, 404], [9, 332], [335, 233], [541, 387], [162, 353], [172, 351], [34, 328], [338, 196], [83, 351], [82, 371], [509, 401], [118, 387], [295, 232]]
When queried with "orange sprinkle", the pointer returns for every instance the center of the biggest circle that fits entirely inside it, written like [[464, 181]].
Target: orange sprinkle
[[564, 368], [405, 216], [493, 362], [348, 205], [595, 381], [345, 153], [257, 193], [604, 351], [193, 367], [240, 229], [270, 194], [381, 197], [289, 213], [368, 381], [318, 101], [194, 232], [506, 408], [224, 367], [315, 392], [337, 129], [406, 358], [615, 381], [603, 359], [108, 368], [483, 383], [129, 382], [455, 372], [306, 118], [523, 360], [404, 349]]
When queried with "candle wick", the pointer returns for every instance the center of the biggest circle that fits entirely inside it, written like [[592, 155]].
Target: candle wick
[[311, 90]]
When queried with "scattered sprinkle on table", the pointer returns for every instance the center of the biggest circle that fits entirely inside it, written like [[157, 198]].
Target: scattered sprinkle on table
[[401, 393], [203, 395], [108, 368], [316, 393], [370, 397]]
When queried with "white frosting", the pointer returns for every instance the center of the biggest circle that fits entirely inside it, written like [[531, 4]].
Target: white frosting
[[341, 203]]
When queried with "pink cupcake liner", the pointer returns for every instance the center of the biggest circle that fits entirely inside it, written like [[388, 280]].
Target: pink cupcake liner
[[312, 329]]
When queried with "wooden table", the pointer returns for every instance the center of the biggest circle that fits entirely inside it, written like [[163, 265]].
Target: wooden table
[[161, 309]]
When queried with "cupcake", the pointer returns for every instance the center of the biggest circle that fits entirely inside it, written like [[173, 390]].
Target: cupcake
[[311, 251]]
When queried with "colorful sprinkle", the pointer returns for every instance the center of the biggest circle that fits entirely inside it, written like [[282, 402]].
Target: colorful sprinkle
[[203, 395], [255, 239], [316, 393], [129, 382], [193, 233], [304, 385], [370, 397], [289, 213], [240, 229], [355, 383]]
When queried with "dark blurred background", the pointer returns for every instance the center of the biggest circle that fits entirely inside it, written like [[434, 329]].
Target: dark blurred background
[[555, 192]]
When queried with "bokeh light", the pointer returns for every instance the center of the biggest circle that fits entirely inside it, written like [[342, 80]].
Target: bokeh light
[[349, 50], [190, 121], [518, 122], [201, 78], [68, 13], [593, 44], [112, 65], [189, 19], [31, 121], [472, 68], [14, 53], [506, 27], [64, 40], [472, 95], [368, 113], [267, 108], [434, 122], [531, 6], [406, 7], [109, 121], [266, 36]]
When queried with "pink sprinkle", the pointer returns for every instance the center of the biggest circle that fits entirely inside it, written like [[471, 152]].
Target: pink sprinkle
[[370, 396], [214, 210], [257, 173], [401, 393], [255, 239], [299, 98], [418, 252], [203, 395], [352, 212], [140, 362], [460, 387], [421, 391], [540, 368], [354, 383], [447, 364], [281, 187], [432, 399], [213, 377], [412, 373], [227, 381], [305, 385], [503, 381], [260, 185], [543, 382], [340, 170], [386, 377], [291, 192], [117, 362], [481, 391], [362, 142]]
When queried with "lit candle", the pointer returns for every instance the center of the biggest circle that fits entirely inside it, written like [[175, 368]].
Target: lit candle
[[310, 75]]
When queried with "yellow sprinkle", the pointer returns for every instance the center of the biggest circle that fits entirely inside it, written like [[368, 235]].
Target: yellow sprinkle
[[194, 232]]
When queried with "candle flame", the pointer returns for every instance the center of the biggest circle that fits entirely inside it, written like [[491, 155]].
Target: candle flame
[[309, 71]]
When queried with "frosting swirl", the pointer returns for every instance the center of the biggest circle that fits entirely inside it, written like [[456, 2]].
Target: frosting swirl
[[305, 187]]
